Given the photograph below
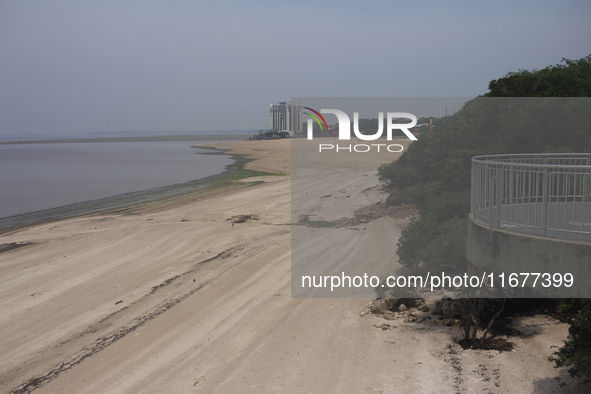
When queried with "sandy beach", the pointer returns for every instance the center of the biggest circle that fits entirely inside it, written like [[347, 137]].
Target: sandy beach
[[170, 296]]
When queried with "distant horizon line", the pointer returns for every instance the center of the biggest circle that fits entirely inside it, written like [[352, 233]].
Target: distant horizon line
[[105, 135], [95, 134], [175, 132]]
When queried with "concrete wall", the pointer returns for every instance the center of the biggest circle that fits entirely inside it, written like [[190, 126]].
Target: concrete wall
[[503, 251]]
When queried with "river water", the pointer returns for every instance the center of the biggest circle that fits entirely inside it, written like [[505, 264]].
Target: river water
[[36, 177]]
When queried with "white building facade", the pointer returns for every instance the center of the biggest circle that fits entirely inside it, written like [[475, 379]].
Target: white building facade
[[286, 117]]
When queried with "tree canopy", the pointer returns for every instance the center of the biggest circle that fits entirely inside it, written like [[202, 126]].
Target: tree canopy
[[571, 79]]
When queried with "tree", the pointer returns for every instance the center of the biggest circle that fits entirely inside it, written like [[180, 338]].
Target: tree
[[571, 79], [576, 352]]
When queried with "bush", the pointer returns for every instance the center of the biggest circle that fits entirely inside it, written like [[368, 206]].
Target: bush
[[576, 352]]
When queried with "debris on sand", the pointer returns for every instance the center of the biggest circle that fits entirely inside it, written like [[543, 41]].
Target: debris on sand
[[242, 218], [13, 245]]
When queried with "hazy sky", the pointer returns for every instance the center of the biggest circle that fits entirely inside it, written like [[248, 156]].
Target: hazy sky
[[73, 67]]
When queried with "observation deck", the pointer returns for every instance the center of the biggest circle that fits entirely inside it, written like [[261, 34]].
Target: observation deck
[[532, 213]]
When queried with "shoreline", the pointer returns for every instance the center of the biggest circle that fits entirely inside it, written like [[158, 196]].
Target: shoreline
[[124, 201]]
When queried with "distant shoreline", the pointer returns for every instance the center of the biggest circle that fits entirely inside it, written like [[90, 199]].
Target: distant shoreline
[[180, 137]]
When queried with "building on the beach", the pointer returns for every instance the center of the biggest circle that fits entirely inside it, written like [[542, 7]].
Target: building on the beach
[[286, 117]]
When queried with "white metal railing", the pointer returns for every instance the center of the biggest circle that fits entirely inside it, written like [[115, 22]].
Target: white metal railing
[[540, 194]]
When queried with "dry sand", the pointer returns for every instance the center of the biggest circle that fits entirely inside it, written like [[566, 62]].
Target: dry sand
[[170, 297]]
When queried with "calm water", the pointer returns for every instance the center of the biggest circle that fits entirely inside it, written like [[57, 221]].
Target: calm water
[[41, 176]]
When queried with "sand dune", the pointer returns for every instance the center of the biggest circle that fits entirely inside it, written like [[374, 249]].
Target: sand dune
[[170, 297]]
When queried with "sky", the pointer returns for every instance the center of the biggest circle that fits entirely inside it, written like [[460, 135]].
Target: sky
[[76, 67]]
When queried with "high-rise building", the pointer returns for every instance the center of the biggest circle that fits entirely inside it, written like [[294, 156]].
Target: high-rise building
[[286, 117]]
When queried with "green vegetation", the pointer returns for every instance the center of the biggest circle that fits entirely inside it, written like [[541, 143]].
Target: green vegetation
[[204, 147], [237, 171], [270, 135], [434, 173], [576, 352], [276, 134], [243, 174], [571, 79]]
